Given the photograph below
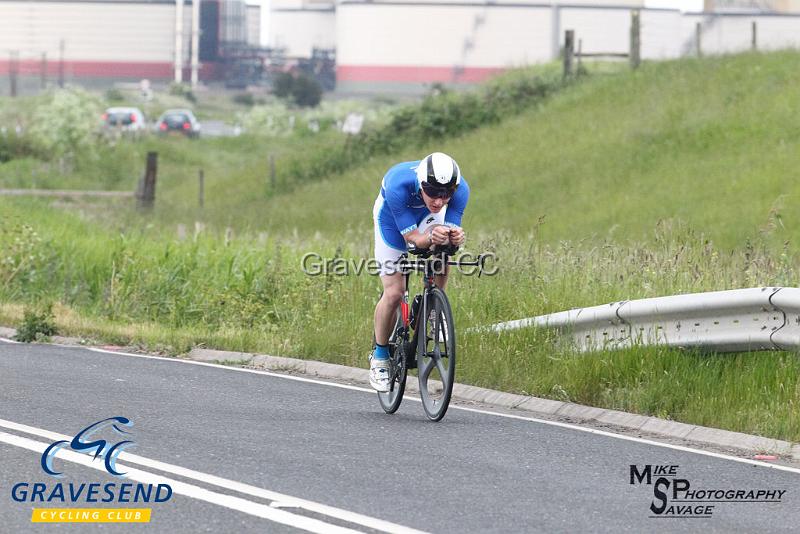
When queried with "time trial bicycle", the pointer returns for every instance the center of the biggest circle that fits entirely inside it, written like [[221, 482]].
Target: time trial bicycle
[[423, 335]]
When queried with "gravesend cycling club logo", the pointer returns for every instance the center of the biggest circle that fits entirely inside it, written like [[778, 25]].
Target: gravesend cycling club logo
[[99, 446], [675, 497], [88, 442]]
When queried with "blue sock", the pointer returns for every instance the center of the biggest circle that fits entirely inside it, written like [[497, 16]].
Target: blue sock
[[381, 352]]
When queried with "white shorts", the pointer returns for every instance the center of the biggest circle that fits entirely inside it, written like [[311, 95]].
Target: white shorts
[[388, 256]]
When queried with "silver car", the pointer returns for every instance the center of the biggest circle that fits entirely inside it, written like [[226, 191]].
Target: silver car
[[126, 120]]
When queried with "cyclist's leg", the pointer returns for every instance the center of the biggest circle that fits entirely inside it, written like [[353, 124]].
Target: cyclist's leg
[[389, 249], [393, 288], [441, 279]]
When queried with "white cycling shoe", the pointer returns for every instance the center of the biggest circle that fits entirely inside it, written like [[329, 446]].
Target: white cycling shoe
[[379, 374]]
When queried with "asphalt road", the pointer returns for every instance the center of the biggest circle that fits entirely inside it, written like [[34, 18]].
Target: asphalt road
[[332, 446]]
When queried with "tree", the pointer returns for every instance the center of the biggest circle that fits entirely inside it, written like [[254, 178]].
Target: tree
[[282, 84], [306, 91]]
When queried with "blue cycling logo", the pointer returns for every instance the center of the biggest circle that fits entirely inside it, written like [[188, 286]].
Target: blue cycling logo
[[82, 495], [100, 447]]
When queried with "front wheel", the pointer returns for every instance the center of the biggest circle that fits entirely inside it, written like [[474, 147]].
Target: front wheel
[[436, 354], [390, 401]]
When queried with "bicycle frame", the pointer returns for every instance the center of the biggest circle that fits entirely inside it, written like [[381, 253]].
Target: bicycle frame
[[410, 350], [429, 263]]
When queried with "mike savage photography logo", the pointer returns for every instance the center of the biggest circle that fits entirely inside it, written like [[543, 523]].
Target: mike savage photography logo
[[81, 495], [675, 497]]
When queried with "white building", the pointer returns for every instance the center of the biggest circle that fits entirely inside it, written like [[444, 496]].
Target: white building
[[102, 41], [299, 26]]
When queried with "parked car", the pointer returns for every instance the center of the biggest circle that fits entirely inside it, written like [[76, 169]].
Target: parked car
[[125, 120], [178, 120]]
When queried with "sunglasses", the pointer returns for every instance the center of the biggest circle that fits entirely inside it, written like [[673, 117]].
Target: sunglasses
[[437, 192]]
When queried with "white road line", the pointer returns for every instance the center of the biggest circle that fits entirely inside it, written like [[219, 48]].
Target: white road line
[[206, 364], [463, 408], [280, 500], [189, 490], [637, 440]]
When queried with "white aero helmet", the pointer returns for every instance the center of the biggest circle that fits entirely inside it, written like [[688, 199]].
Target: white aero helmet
[[438, 173]]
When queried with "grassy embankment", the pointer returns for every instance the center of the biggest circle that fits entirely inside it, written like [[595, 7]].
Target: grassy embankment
[[673, 179]]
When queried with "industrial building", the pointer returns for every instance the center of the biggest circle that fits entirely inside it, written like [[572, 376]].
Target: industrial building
[[407, 45], [751, 6], [356, 46], [98, 42], [299, 26]]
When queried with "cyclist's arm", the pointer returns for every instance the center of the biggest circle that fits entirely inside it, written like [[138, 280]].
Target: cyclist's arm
[[457, 205], [456, 235], [455, 211], [405, 221], [419, 239]]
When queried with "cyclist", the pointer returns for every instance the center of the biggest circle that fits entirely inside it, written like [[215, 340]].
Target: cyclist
[[421, 204]]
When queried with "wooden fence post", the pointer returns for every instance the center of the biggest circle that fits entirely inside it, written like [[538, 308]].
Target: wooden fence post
[[579, 55], [272, 171], [698, 32], [201, 190], [569, 51], [754, 42], [636, 40], [146, 195]]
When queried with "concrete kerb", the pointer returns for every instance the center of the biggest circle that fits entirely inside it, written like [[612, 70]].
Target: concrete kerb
[[7, 333], [534, 405]]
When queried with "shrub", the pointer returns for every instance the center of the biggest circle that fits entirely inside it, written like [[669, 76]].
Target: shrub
[[441, 114], [282, 84], [67, 124], [303, 90], [182, 90], [306, 91], [277, 119], [273, 120], [114, 95], [38, 323], [245, 99], [13, 146]]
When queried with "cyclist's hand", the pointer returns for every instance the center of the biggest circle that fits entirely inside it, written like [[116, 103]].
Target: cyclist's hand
[[440, 235], [457, 236]]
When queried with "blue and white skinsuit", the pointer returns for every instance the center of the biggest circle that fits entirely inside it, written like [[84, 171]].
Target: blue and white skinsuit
[[399, 209]]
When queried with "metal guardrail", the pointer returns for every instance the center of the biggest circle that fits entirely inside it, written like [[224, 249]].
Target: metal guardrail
[[763, 318]]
